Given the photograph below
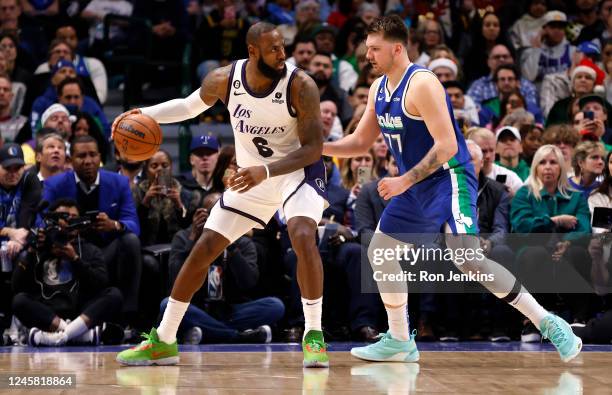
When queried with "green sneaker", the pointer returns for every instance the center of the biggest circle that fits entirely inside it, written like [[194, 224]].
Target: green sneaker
[[389, 349], [151, 351], [561, 335], [315, 350]]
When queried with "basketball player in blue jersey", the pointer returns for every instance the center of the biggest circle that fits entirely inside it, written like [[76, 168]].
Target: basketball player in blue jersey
[[275, 115], [436, 188]]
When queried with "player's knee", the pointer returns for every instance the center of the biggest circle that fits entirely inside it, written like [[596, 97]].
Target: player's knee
[[212, 242], [302, 237], [471, 264]]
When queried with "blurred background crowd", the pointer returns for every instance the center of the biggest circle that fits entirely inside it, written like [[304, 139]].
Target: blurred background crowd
[[530, 86]]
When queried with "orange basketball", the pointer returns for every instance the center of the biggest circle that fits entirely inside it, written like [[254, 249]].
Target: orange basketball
[[137, 137]]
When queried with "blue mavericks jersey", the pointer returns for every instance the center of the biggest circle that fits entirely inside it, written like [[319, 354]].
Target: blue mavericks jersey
[[407, 135], [448, 196]]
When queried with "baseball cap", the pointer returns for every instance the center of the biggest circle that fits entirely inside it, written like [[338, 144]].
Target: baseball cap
[[589, 48], [52, 110], [555, 17], [507, 129], [591, 98], [62, 63], [324, 28], [11, 154], [210, 142]]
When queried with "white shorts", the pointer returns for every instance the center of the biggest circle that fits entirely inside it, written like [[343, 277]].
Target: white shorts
[[236, 213]]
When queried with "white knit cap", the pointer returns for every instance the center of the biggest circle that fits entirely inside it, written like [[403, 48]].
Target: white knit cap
[[583, 69], [443, 62], [52, 110]]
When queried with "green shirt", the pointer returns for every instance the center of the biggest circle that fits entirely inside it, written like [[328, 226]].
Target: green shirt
[[528, 215], [522, 169]]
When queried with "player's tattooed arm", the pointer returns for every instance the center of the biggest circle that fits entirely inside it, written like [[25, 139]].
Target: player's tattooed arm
[[431, 106], [305, 101], [215, 85], [428, 165]]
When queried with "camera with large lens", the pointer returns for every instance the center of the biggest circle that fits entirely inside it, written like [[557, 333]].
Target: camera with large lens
[[59, 235]]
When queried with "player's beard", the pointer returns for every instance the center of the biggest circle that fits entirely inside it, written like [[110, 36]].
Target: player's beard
[[270, 72]]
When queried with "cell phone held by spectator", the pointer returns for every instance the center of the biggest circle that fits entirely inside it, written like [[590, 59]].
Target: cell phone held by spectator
[[164, 179], [364, 175], [602, 218]]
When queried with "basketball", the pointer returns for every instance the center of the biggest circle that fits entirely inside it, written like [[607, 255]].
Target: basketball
[[137, 137]]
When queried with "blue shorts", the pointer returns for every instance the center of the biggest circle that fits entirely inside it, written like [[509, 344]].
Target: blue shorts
[[448, 197]]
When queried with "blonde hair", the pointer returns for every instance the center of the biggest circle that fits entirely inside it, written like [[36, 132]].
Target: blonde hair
[[474, 133], [535, 185], [581, 152]]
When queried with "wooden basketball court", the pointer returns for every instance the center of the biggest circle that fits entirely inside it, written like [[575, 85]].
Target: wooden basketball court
[[276, 369]]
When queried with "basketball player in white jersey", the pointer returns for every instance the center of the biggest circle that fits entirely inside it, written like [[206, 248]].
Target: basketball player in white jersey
[[278, 133]]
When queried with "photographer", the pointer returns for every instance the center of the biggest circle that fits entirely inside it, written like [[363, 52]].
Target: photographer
[[63, 278], [108, 199]]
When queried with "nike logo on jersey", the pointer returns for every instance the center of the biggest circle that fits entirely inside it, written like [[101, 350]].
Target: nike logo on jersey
[[389, 122], [239, 93]]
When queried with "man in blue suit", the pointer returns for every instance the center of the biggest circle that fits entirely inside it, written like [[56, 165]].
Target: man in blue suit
[[116, 222]]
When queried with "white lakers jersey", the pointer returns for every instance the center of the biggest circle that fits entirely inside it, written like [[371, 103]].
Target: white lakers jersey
[[265, 125]]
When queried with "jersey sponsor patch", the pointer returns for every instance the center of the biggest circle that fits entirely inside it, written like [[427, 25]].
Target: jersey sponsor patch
[[278, 98]]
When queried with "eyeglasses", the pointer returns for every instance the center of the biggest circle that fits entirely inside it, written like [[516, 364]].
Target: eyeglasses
[[500, 57]]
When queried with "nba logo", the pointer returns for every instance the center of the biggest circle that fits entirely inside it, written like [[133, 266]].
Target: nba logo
[[215, 284], [12, 151]]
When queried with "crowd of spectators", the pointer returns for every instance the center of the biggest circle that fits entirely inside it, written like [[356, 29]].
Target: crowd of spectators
[[530, 84]]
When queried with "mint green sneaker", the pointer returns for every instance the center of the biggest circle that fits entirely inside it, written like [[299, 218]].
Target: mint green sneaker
[[315, 350], [560, 334], [389, 349], [151, 351]]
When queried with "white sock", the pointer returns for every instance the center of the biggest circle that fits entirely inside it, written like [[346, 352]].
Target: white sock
[[173, 315], [62, 325], [398, 322], [313, 308], [526, 304], [76, 328]]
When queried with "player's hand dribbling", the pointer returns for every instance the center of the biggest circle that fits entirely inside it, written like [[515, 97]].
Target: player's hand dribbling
[[392, 186], [120, 117], [246, 178]]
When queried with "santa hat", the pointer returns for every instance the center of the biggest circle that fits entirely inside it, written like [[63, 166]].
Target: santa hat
[[600, 75], [583, 69], [443, 62]]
